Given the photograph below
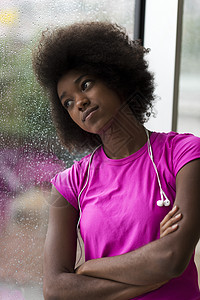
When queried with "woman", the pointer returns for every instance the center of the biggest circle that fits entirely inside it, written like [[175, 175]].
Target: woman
[[101, 94]]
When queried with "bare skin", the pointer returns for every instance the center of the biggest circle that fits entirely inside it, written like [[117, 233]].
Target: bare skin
[[170, 222], [135, 273]]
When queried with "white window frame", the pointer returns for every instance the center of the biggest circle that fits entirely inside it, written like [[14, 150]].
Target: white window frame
[[162, 34]]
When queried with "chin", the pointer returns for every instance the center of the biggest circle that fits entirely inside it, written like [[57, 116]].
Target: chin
[[99, 127]]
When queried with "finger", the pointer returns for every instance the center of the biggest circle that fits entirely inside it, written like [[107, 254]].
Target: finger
[[171, 226], [171, 222], [169, 215], [169, 230]]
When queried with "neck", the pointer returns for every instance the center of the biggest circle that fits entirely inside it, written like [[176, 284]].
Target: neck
[[123, 136]]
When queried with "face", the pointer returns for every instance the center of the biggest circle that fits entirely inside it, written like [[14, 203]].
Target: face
[[89, 102]]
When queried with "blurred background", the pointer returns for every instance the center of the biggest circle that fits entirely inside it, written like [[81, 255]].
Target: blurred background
[[189, 84], [30, 153]]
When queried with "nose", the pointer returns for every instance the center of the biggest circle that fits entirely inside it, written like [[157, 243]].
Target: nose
[[82, 102]]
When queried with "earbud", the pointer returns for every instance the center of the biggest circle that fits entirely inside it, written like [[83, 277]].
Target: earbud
[[166, 202], [160, 203]]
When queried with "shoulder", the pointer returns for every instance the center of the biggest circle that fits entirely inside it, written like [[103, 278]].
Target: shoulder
[[172, 138], [74, 172], [70, 181], [179, 148]]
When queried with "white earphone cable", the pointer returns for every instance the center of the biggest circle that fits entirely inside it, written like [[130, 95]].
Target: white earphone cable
[[79, 206], [162, 193]]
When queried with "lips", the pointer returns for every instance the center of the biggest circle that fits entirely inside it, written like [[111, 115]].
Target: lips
[[88, 111]]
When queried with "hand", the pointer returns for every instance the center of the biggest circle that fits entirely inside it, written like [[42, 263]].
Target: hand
[[170, 222]]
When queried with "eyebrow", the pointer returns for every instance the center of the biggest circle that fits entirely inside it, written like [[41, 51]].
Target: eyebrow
[[62, 96], [79, 78]]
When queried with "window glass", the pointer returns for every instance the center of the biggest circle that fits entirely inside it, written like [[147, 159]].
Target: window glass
[[189, 91], [30, 153]]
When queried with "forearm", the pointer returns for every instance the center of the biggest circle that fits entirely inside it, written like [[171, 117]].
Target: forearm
[[72, 286], [147, 265]]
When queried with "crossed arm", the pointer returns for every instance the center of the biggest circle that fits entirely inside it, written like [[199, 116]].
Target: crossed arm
[[128, 275]]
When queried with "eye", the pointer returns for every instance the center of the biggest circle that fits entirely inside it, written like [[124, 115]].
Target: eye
[[86, 84], [67, 103]]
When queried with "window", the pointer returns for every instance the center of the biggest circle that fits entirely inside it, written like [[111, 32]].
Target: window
[[189, 89], [166, 24], [30, 153]]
